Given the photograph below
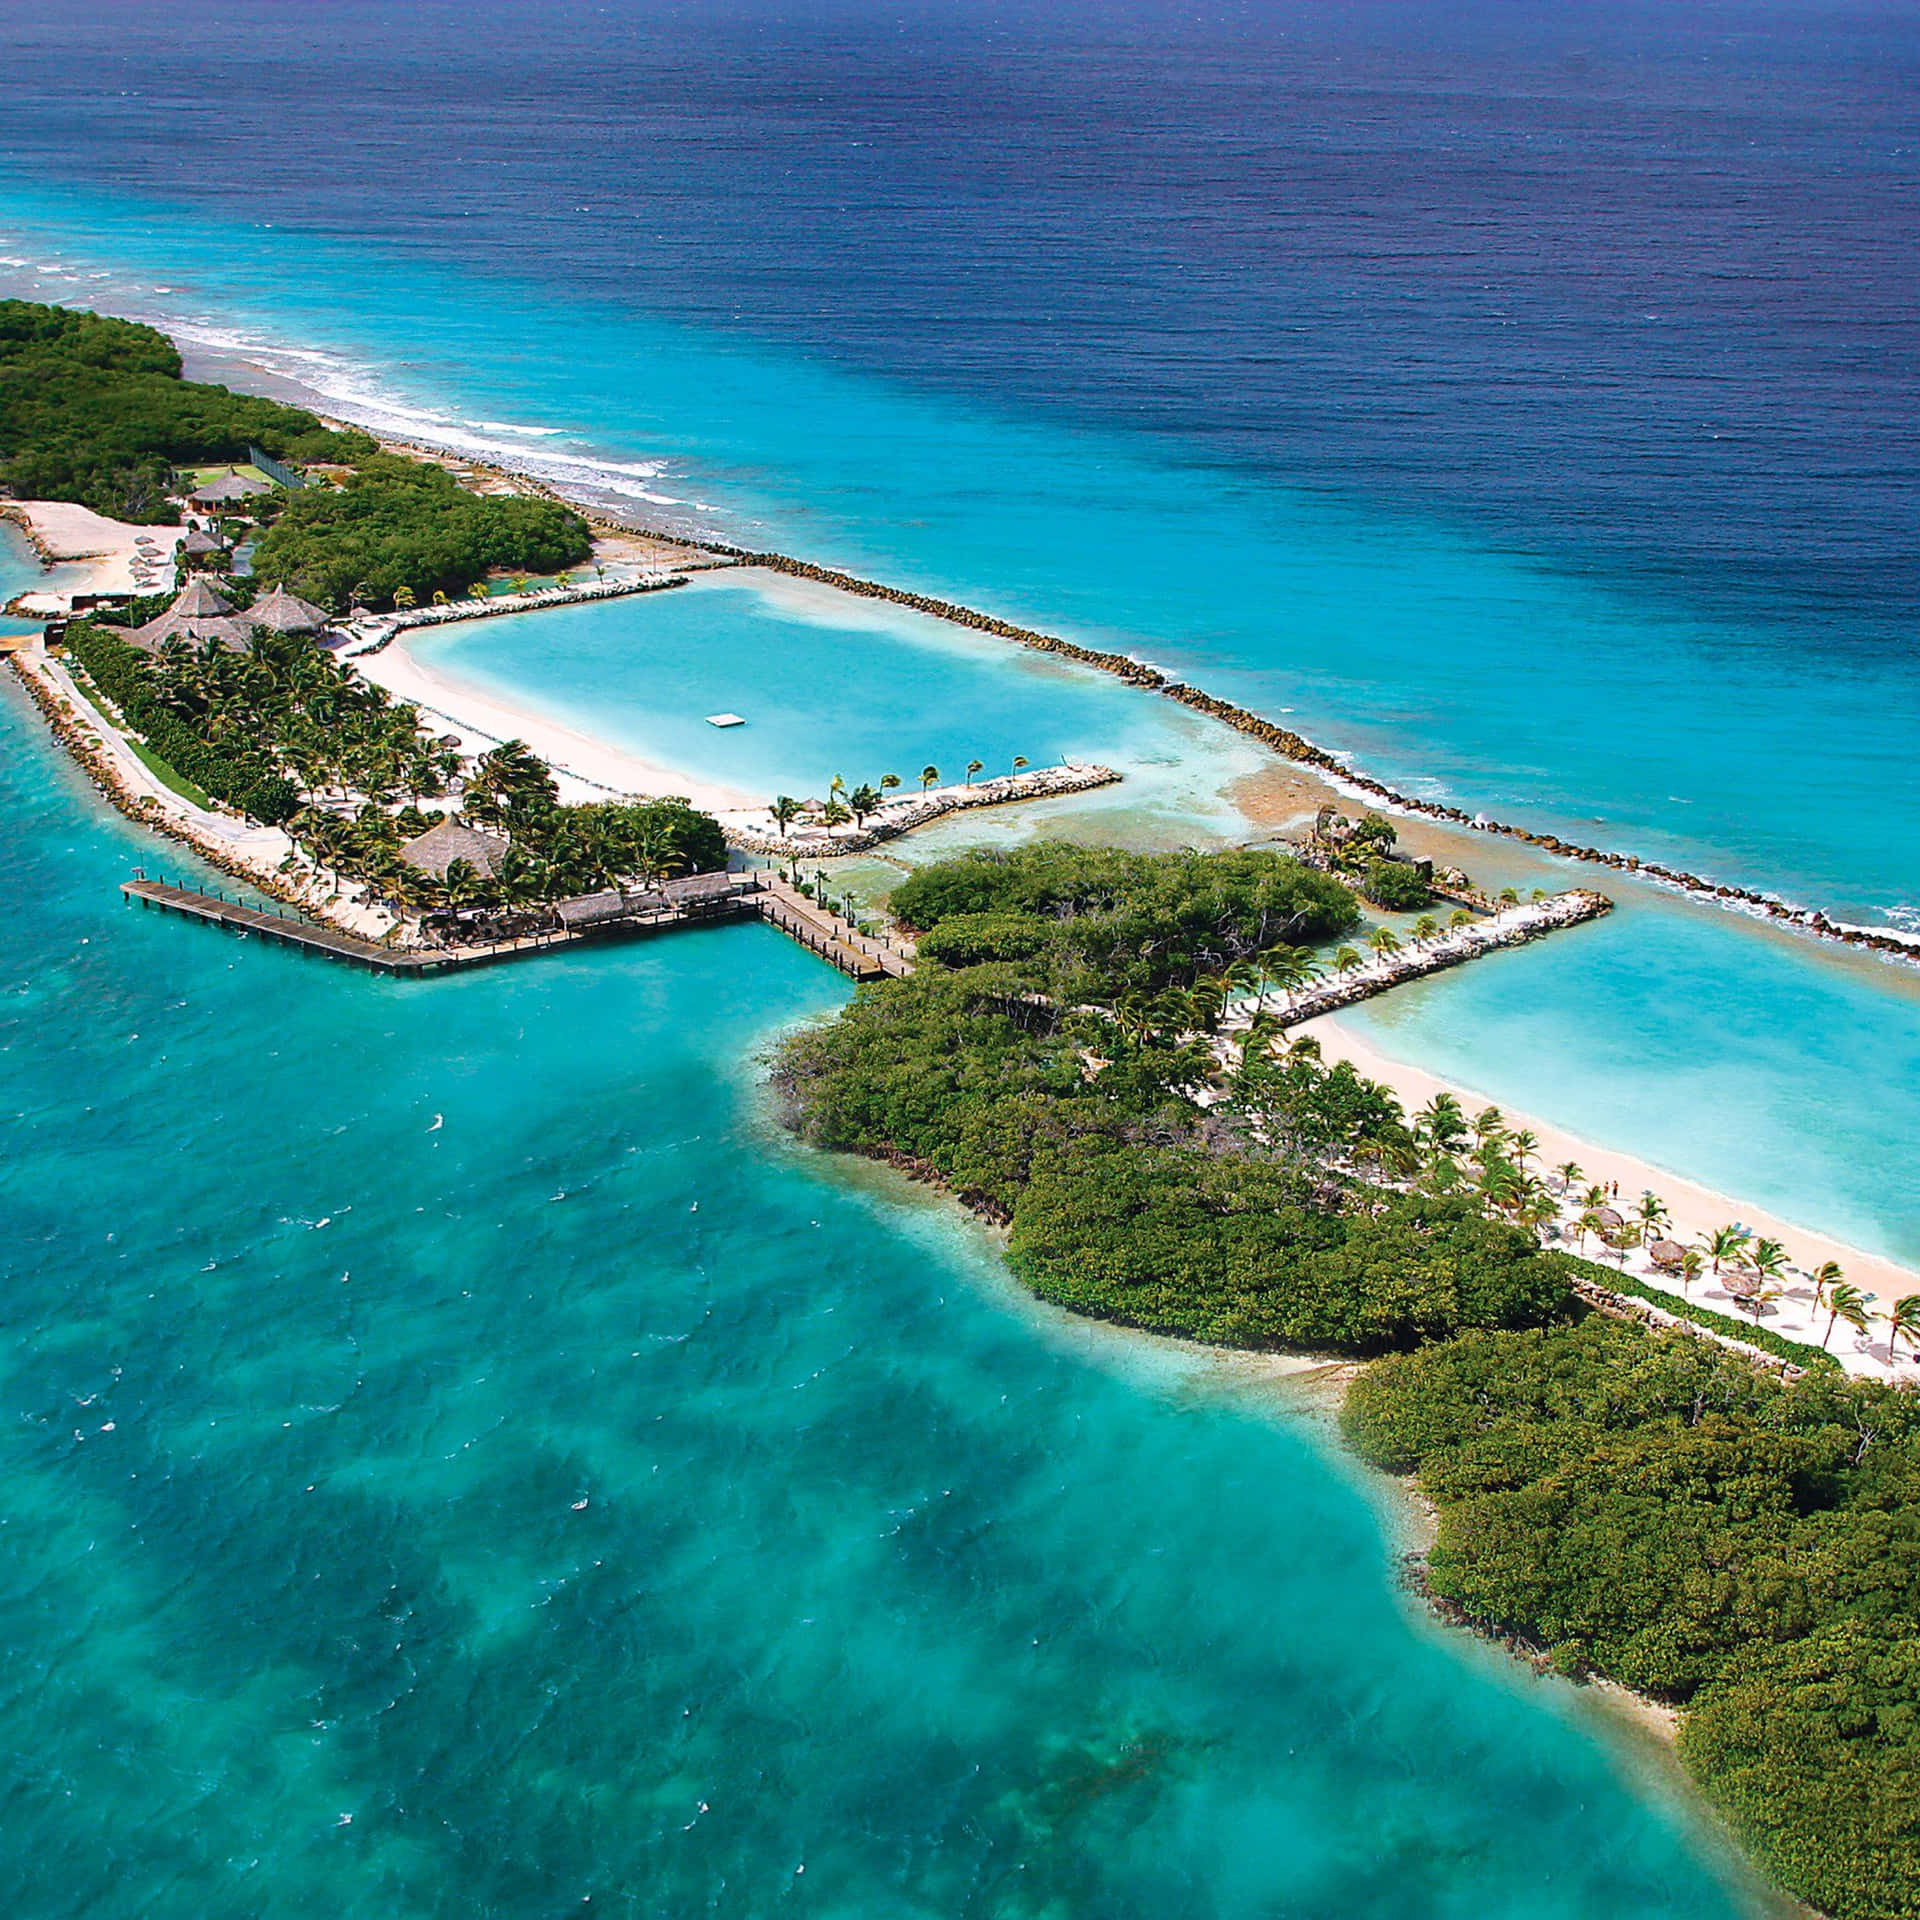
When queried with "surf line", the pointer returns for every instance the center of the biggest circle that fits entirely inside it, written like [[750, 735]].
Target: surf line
[[1281, 740]]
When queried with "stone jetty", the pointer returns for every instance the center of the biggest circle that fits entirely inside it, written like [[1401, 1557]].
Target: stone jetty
[[757, 832], [1511, 927]]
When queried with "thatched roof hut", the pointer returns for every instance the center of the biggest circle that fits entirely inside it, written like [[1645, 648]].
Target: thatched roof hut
[[284, 612], [1667, 1255], [592, 910], [1608, 1219], [199, 612], [697, 888], [231, 489], [434, 851], [199, 544]]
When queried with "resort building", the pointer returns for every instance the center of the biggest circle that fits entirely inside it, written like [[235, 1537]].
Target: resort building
[[200, 550], [282, 612], [232, 489], [201, 612], [434, 851]]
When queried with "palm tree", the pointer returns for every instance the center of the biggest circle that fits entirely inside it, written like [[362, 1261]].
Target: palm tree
[[1845, 1302], [784, 810], [973, 767], [1524, 1146], [888, 782], [1588, 1222], [929, 777], [1823, 1276], [1724, 1243], [1652, 1214], [1019, 762], [836, 787], [1489, 1125], [1690, 1265], [1459, 917], [1508, 898], [1570, 1172], [1383, 940], [1425, 927], [1441, 1123], [1347, 959], [1904, 1319], [1768, 1259], [863, 800]]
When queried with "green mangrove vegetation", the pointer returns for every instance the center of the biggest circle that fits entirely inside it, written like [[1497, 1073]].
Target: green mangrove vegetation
[[1637, 1504], [1649, 1508], [395, 532], [1053, 1060], [94, 410]]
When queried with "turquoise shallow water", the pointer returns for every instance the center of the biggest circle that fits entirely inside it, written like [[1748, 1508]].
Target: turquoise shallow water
[[461, 1461], [828, 686]]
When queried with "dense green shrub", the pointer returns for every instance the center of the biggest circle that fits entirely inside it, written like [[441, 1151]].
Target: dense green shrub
[[1238, 1252], [94, 410], [1812, 1750], [406, 525], [1396, 885], [1665, 1512], [969, 939], [1139, 920]]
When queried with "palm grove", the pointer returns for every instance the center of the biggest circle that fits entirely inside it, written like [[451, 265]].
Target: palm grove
[[1636, 1504], [94, 410]]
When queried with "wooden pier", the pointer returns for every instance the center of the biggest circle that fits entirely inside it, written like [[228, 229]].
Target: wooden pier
[[841, 945]]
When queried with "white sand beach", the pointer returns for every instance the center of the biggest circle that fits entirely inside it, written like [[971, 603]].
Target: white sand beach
[[587, 769], [1694, 1209], [86, 553]]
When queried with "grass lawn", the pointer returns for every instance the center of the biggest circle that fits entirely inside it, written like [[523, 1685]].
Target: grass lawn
[[178, 782]]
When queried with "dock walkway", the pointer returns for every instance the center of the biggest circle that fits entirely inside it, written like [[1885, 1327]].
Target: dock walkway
[[821, 931]]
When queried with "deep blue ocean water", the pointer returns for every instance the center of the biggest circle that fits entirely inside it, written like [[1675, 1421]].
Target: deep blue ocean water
[[1518, 398]]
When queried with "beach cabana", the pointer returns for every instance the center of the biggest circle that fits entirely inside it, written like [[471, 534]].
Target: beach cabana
[[1667, 1255], [199, 612], [282, 612], [434, 851], [1608, 1220], [201, 549]]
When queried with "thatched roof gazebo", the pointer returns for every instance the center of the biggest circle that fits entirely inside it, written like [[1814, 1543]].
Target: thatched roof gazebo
[[434, 851], [199, 612], [1667, 1255], [282, 612], [230, 490]]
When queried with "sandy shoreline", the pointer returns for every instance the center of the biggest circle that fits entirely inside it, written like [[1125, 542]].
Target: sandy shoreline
[[591, 768], [1696, 1209]]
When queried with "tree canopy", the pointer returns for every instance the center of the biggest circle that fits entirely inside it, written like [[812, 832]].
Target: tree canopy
[[408, 527], [94, 410], [1659, 1511]]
